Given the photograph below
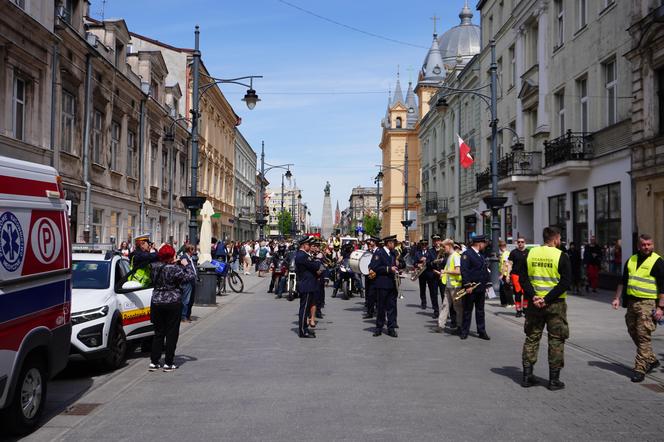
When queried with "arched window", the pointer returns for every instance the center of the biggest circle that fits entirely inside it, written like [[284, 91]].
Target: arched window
[[398, 122]]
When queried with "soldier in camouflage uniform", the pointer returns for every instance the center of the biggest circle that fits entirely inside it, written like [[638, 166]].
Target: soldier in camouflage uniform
[[549, 278], [642, 292]]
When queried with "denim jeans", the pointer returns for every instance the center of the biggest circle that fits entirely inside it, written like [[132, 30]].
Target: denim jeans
[[186, 295]]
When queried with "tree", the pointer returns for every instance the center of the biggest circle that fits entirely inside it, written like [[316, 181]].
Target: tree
[[371, 224], [284, 223]]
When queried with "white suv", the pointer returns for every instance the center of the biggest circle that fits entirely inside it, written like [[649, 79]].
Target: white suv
[[109, 314]]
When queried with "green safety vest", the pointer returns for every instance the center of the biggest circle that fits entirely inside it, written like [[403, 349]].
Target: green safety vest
[[455, 280], [543, 269], [141, 275], [639, 283]]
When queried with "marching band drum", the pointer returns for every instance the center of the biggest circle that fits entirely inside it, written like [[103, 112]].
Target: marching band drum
[[359, 261]]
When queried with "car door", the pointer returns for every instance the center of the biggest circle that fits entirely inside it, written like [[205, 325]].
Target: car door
[[134, 305]]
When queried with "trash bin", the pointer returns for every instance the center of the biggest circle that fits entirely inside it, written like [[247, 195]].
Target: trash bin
[[206, 285]]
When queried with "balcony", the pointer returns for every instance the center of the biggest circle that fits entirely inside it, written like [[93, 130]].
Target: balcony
[[433, 205], [572, 151], [514, 168]]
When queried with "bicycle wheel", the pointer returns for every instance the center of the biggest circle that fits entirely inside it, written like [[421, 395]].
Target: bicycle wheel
[[235, 282]]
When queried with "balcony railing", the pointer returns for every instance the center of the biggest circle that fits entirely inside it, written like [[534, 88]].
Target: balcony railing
[[573, 146], [434, 206], [517, 163]]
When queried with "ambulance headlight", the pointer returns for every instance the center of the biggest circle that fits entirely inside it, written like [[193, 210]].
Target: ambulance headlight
[[89, 315]]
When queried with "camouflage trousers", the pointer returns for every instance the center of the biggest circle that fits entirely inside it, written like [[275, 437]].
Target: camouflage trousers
[[554, 317], [640, 325]]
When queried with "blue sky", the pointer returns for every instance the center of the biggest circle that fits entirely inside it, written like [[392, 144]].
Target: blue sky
[[306, 62]]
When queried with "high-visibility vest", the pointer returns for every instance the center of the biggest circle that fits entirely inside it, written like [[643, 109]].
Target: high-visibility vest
[[503, 263], [455, 280], [141, 275], [639, 283], [543, 269]]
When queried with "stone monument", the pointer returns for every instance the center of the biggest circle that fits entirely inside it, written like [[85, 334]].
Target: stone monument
[[326, 223]]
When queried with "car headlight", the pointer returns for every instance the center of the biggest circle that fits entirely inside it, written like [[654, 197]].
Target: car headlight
[[89, 315]]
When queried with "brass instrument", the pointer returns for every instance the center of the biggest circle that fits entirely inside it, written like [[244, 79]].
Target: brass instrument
[[416, 274], [372, 274], [465, 289]]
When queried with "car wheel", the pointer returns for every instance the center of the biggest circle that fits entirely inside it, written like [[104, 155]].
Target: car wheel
[[117, 348], [27, 405]]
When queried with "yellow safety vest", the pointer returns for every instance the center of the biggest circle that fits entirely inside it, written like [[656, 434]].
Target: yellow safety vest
[[455, 280], [639, 283], [543, 269], [503, 262], [142, 275]]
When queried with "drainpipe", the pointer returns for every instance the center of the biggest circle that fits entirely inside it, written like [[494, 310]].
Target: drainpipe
[[55, 158], [171, 172], [86, 145], [141, 166]]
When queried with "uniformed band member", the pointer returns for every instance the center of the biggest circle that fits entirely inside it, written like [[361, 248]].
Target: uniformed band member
[[436, 265], [519, 272], [549, 278], [642, 291], [317, 304], [307, 271], [474, 270], [370, 290], [451, 280], [140, 260], [384, 264], [424, 256]]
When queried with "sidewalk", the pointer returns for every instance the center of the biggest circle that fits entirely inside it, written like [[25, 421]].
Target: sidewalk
[[598, 330]]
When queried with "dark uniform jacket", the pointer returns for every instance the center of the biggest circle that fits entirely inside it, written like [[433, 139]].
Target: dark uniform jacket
[[474, 268], [139, 258], [419, 253], [381, 263], [306, 271]]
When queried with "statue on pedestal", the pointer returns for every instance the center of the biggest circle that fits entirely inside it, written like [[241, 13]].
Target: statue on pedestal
[[327, 189]]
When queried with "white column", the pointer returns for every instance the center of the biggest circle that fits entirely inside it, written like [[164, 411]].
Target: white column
[[543, 61], [520, 61]]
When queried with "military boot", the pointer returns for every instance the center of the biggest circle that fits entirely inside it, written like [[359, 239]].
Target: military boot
[[554, 380], [528, 378]]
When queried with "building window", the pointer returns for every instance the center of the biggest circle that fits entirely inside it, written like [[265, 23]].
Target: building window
[[607, 214], [660, 99], [560, 24], [560, 107], [119, 53], [96, 137], [67, 121], [153, 168], [580, 221], [68, 7], [115, 142], [97, 225], [165, 169], [114, 228], [512, 54], [183, 175], [500, 77], [19, 3], [131, 228], [131, 154], [582, 13], [18, 108], [398, 122], [582, 90], [557, 214], [509, 236], [611, 86]]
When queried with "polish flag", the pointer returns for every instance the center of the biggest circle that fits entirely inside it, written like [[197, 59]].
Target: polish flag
[[466, 159]]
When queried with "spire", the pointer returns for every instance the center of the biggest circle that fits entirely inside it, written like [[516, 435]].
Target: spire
[[386, 119], [411, 104], [466, 15], [398, 94], [433, 67]]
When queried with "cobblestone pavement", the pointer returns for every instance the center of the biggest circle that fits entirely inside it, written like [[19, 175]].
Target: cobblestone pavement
[[245, 376]]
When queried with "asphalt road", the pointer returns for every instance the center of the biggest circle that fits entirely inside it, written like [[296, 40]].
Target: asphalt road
[[245, 376]]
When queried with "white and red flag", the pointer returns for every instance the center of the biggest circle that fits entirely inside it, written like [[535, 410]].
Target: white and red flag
[[466, 159]]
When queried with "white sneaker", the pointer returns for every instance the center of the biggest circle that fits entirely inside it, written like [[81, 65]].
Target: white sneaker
[[170, 367], [154, 367]]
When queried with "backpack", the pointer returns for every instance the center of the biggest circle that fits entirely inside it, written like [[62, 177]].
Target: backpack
[[262, 253]]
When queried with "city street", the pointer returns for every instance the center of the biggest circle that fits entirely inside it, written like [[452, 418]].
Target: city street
[[245, 375]]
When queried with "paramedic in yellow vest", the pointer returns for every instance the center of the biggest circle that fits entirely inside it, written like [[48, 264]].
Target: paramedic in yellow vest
[[642, 292], [140, 260], [451, 279], [549, 279], [506, 298]]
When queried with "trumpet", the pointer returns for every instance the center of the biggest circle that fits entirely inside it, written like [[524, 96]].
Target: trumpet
[[465, 289], [416, 274], [372, 274]]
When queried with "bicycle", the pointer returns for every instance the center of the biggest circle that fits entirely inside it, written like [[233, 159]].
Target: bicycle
[[234, 280]]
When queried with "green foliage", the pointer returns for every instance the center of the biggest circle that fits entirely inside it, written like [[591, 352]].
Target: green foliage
[[371, 224], [285, 222]]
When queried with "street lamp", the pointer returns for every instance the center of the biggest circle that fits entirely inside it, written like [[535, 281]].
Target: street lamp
[[194, 202], [494, 202], [406, 223], [261, 216], [377, 180]]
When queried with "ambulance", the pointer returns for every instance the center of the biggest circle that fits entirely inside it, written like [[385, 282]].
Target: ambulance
[[35, 290]]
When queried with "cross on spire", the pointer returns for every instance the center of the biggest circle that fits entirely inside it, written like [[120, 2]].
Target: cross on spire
[[435, 20]]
